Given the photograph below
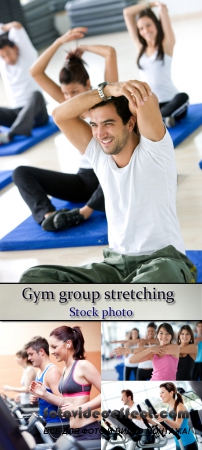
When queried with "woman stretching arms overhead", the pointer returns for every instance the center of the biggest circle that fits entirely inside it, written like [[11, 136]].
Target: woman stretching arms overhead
[[154, 40], [34, 184]]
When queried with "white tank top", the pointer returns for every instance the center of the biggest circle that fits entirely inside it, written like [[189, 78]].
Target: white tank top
[[126, 359], [157, 73], [24, 396]]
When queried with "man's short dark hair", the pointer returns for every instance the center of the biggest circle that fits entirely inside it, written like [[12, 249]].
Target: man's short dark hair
[[37, 343], [122, 109], [128, 393], [5, 42], [200, 321], [152, 325]]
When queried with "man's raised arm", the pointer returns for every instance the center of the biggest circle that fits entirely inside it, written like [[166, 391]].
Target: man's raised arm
[[141, 104], [66, 116]]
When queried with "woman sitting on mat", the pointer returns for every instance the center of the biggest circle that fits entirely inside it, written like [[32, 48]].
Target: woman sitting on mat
[[36, 184], [154, 39], [188, 353], [67, 344], [164, 356]]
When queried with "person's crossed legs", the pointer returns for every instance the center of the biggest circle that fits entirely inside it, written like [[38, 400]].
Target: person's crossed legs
[[35, 185], [21, 121], [163, 266]]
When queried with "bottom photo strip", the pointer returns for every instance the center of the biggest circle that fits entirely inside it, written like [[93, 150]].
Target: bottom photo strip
[[86, 385]]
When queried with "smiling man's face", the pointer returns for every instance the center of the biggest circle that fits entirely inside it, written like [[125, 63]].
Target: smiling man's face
[[108, 129]]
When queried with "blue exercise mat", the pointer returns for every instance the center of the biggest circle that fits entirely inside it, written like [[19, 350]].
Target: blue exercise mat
[[5, 178], [196, 258], [30, 236], [21, 143], [187, 125]]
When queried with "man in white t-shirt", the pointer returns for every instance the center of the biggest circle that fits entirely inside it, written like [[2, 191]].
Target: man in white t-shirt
[[127, 399], [136, 169], [145, 434], [28, 108]]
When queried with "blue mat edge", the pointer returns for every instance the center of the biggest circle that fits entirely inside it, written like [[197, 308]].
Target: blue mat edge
[[73, 244], [183, 135], [66, 242], [8, 180], [34, 140], [193, 255]]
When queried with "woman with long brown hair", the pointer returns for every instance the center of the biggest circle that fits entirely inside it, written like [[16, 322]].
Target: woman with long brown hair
[[36, 185], [154, 40], [188, 353], [67, 344], [174, 400]]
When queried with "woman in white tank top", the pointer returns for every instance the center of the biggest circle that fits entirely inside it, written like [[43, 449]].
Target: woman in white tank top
[[131, 368], [35, 184], [155, 40], [28, 376]]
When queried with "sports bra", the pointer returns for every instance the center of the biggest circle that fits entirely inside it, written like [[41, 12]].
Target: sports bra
[[68, 387]]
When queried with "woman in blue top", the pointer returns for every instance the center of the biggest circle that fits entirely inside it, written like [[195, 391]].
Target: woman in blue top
[[169, 395]]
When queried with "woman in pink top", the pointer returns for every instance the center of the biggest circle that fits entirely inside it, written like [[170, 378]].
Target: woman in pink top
[[164, 356]]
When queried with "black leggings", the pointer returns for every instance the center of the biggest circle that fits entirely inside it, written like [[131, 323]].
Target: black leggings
[[177, 107], [128, 371], [36, 184], [144, 374], [192, 446], [197, 372]]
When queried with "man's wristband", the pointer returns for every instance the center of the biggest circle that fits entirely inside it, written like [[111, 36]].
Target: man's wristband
[[101, 93]]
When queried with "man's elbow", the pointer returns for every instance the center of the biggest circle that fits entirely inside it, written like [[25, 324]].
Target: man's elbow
[[111, 51], [126, 12], [55, 115], [32, 72]]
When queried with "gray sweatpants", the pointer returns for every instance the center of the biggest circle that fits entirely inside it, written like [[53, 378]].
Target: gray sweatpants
[[22, 120]]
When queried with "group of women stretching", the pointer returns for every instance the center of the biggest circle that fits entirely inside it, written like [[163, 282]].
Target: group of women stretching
[[154, 40], [170, 361]]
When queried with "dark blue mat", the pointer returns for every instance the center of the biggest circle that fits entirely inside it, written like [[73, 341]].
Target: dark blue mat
[[196, 258], [5, 178], [186, 126], [21, 143], [30, 236]]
